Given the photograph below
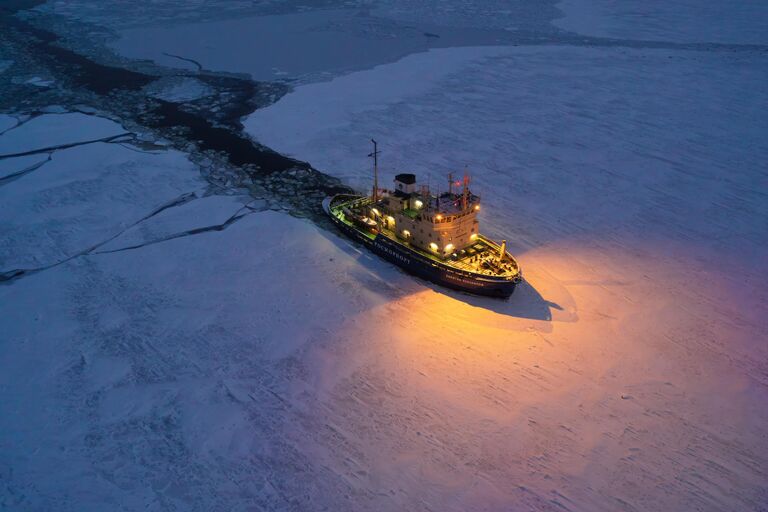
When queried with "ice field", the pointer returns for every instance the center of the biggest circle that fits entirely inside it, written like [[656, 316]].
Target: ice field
[[637, 203], [167, 343], [682, 21]]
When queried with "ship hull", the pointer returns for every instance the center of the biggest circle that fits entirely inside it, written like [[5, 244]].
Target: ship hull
[[426, 268]]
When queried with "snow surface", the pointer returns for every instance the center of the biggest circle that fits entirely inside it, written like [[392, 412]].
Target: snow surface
[[619, 141], [192, 374], [631, 187], [304, 41], [56, 130], [321, 108], [485, 14], [15, 165], [258, 362], [7, 122], [195, 213], [174, 358], [118, 15], [84, 194], [311, 44], [682, 21]]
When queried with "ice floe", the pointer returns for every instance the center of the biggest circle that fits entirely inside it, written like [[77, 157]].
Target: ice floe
[[54, 130], [84, 195]]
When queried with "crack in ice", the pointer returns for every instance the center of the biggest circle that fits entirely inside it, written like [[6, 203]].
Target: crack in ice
[[13, 274], [182, 234], [66, 146], [5, 180], [131, 147], [191, 61], [20, 121]]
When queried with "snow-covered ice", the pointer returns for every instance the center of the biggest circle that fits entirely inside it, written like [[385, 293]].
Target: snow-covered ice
[[293, 123], [56, 130], [619, 142], [118, 15], [629, 182], [682, 21], [15, 165], [158, 372], [208, 371], [7, 122], [211, 356], [312, 45], [196, 213], [84, 194], [296, 40]]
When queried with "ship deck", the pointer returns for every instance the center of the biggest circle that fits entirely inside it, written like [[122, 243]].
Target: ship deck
[[479, 258]]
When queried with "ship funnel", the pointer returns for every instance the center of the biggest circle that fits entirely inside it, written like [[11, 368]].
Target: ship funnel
[[502, 250]]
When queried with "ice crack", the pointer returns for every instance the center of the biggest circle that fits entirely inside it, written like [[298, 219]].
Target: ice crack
[[18, 174], [191, 61], [67, 146], [19, 122], [239, 214], [10, 275]]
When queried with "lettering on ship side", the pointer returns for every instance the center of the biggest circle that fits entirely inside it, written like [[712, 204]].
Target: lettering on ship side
[[462, 280], [391, 251]]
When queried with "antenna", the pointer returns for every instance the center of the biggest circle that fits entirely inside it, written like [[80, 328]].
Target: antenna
[[450, 183], [465, 194], [375, 156]]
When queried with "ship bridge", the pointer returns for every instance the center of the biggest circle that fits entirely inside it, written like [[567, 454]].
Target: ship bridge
[[441, 224]]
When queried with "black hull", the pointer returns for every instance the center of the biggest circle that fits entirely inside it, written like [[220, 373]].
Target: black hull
[[426, 268]]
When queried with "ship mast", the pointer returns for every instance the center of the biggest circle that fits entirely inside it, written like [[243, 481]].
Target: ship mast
[[465, 193], [375, 156]]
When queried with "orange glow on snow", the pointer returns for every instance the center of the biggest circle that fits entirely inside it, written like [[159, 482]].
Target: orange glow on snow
[[558, 380]]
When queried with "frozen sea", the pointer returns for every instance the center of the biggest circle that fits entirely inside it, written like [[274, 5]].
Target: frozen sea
[[168, 342]]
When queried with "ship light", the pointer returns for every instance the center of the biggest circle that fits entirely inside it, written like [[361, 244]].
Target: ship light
[[390, 219], [439, 217], [449, 248], [473, 236], [406, 233], [433, 246], [477, 207], [418, 203]]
